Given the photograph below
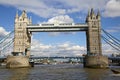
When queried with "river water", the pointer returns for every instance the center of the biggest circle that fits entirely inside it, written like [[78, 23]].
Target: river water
[[57, 72]]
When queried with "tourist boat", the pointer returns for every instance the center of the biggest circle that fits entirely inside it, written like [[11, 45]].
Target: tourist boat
[[115, 71]]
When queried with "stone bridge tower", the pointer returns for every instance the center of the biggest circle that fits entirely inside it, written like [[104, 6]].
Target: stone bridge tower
[[94, 56], [93, 33], [22, 39]]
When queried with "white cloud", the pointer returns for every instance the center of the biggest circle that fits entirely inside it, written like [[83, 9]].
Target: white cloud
[[108, 50], [3, 32], [38, 7], [80, 5], [39, 46], [112, 8], [64, 49], [61, 19], [59, 33], [64, 45], [77, 48], [46, 9], [113, 29], [51, 8]]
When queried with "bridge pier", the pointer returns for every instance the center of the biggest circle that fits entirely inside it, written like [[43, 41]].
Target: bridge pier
[[17, 62], [96, 61]]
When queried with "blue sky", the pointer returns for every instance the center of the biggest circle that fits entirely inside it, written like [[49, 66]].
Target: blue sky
[[62, 11]]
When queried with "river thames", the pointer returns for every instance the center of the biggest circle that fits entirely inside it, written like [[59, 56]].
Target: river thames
[[57, 72]]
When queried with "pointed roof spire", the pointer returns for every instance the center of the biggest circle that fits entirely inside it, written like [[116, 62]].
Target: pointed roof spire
[[17, 14], [30, 19], [88, 16], [88, 13], [24, 15], [92, 11], [98, 13]]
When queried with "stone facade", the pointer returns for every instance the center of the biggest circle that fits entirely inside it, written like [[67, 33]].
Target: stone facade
[[94, 58], [22, 39], [96, 62], [93, 34], [17, 62]]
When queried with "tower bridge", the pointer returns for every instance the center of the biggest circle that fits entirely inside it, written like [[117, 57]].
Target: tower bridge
[[23, 32]]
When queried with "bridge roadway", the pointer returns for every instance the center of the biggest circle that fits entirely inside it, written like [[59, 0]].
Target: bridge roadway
[[61, 27]]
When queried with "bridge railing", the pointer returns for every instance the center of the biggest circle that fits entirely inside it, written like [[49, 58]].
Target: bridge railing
[[60, 24]]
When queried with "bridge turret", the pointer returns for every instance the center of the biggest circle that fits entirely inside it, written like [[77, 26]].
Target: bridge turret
[[98, 15], [30, 20], [88, 17], [16, 17], [92, 12]]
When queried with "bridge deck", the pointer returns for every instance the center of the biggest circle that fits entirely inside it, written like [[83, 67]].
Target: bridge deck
[[57, 27]]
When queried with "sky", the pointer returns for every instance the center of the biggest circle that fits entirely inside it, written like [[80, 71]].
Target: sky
[[69, 11]]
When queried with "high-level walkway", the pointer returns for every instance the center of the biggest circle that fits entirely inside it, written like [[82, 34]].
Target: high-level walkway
[[61, 27]]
